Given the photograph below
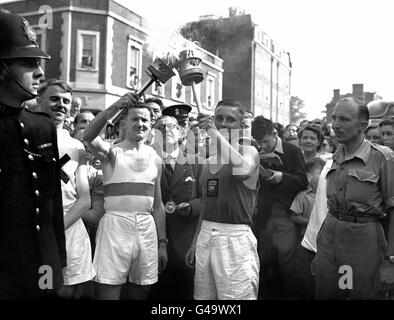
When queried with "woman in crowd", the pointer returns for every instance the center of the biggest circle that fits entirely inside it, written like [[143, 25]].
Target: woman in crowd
[[310, 140]]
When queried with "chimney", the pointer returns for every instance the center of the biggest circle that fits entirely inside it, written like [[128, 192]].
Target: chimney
[[358, 91], [232, 12], [337, 95]]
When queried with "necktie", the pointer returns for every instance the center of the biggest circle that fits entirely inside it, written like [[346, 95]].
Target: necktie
[[171, 162]]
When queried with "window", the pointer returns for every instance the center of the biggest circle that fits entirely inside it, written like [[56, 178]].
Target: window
[[280, 77], [274, 72], [266, 68], [210, 98], [158, 88], [177, 89], [259, 62], [265, 40], [281, 101], [267, 94], [259, 89], [134, 63], [287, 80], [88, 50], [274, 97]]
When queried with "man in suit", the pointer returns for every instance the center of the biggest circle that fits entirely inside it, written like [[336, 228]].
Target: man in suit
[[32, 241], [275, 231], [181, 197]]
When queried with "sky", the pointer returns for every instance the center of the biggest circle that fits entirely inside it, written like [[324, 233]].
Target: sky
[[333, 43]]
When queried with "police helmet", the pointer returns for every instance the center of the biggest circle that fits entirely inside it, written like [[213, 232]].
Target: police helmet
[[17, 38]]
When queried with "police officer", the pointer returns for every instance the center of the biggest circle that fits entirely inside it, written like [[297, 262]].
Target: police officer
[[352, 253], [181, 113], [32, 242]]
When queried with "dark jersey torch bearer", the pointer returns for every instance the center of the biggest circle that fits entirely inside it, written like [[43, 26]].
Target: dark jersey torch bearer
[[159, 71]]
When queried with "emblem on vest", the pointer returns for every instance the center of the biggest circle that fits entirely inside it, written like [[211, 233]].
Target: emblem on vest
[[212, 187]]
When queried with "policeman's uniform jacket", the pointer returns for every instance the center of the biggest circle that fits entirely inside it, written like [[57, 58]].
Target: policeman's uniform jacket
[[32, 241]]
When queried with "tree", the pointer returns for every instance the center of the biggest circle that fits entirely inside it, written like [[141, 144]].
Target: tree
[[296, 106]]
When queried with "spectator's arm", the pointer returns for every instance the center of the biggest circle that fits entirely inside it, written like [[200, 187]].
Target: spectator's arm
[[96, 211], [298, 219], [160, 220], [83, 196], [295, 179]]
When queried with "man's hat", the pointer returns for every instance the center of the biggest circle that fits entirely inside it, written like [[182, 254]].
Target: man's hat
[[178, 111], [17, 38]]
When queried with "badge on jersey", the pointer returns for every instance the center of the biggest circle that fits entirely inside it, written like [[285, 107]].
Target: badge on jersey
[[213, 187]]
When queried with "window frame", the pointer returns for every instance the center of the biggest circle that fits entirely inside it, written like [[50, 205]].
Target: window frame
[[96, 50], [163, 89], [138, 44]]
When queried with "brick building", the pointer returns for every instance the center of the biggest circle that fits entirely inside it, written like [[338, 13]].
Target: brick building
[[102, 49], [358, 92], [256, 70]]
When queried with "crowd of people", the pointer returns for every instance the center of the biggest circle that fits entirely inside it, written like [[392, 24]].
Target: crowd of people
[[162, 205]]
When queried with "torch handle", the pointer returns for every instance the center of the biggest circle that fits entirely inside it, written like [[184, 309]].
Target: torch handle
[[197, 97], [145, 86], [116, 117]]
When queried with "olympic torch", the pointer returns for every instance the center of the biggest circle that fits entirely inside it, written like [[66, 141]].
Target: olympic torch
[[190, 72], [161, 70]]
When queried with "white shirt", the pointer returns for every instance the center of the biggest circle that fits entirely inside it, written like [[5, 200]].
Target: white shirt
[[170, 157], [319, 211]]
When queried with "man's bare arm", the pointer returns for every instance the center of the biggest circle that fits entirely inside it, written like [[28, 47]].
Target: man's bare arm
[[83, 196], [160, 220], [244, 162], [96, 211], [98, 146], [158, 208], [191, 253]]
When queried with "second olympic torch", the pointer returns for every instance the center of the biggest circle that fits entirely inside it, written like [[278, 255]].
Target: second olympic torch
[[190, 72], [161, 70]]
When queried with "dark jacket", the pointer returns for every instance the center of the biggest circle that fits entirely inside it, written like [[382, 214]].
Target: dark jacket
[[31, 212], [293, 181], [182, 186], [176, 282]]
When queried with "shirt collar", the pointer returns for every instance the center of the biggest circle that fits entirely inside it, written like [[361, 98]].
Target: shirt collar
[[362, 152], [309, 190], [279, 146], [174, 154]]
